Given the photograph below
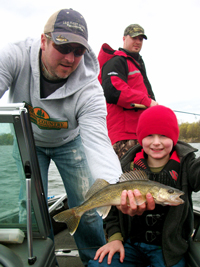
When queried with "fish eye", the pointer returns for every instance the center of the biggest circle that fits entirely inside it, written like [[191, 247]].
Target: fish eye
[[170, 191]]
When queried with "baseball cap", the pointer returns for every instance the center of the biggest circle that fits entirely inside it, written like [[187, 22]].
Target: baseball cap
[[67, 26], [135, 30]]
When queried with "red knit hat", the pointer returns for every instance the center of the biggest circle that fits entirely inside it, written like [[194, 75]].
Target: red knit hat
[[158, 120]]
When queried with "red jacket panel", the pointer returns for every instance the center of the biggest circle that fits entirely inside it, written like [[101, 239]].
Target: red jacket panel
[[123, 85]]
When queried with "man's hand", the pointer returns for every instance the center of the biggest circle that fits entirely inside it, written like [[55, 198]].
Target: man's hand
[[130, 207], [153, 103]]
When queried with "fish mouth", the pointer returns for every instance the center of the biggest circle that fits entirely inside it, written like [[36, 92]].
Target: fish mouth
[[172, 200]]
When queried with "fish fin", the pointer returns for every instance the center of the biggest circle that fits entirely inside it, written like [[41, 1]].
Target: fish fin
[[98, 185], [103, 211], [133, 175], [70, 218]]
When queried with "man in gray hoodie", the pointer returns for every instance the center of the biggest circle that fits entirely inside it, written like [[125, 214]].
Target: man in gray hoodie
[[57, 78]]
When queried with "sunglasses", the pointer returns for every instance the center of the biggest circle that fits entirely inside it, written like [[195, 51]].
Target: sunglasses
[[66, 48]]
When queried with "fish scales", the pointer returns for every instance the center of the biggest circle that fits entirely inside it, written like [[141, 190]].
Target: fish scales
[[112, 193]]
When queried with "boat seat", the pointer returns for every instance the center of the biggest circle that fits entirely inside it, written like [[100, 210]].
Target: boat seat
[[193, 255], [8, 258], [43, 250]]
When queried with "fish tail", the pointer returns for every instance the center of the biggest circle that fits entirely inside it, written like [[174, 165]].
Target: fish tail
[[70, 218]]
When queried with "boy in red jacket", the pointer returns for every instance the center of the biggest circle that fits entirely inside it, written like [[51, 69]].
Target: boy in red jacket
[[158, 237]]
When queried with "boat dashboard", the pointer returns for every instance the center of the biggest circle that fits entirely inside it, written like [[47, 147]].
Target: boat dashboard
[[24, 218]]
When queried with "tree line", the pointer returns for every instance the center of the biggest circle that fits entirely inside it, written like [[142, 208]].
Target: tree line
[[6, 139], [189, 132]]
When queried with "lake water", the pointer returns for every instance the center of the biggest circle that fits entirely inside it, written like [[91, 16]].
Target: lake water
[[56, 186]]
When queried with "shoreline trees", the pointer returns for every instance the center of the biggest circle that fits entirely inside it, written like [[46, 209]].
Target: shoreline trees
[[189, 132]]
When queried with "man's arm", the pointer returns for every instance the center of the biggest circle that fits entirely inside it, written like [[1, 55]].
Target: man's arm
[[10, 63], [6, 70], [102, 159]]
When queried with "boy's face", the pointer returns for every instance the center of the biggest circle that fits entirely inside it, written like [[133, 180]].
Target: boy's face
[[158, 148]]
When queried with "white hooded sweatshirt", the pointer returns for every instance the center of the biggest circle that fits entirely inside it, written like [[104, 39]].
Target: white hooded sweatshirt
[[78, 107]]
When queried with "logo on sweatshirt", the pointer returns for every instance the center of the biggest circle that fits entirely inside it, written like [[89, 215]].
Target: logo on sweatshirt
[[42, 119]]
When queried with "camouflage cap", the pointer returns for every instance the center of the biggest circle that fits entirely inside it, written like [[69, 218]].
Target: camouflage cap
[[135, 30]]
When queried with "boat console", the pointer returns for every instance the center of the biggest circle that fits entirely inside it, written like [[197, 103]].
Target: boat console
[[24, 218]]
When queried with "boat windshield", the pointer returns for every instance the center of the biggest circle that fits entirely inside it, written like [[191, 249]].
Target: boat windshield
[[13, 182], [18, 162]]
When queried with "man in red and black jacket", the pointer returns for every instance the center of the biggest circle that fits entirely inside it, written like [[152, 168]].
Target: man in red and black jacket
[[124, 80]]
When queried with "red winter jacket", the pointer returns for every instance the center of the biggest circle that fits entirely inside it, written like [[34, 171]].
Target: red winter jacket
[[123, 84]]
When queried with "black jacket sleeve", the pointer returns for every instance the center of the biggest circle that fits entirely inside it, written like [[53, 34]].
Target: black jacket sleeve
[[116, 66]]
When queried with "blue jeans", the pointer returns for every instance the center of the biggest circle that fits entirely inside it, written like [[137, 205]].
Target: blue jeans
[[72, 165], [139, 255]]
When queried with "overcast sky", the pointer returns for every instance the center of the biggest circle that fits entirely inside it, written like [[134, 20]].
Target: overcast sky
[[171, 53]]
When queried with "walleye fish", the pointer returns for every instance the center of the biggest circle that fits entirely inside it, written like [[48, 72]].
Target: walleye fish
[[103, 195]]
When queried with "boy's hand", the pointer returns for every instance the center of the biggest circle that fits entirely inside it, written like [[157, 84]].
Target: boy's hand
[[130, 207], [110, 248]]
